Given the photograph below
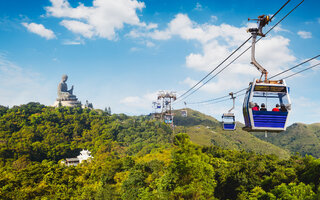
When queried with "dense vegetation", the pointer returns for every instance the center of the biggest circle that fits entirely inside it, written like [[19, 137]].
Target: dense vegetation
[[301, 138], [194, 118], [206, 130], [134, 158]]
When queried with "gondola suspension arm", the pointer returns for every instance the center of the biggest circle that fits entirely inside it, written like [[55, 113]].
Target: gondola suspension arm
[[233, 98], [262, 20]]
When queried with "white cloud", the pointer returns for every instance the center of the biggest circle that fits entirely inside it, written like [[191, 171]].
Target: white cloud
[[198, 7], [280, 29], [150, 44], [20, 86], [39, 29], [305, 104], [183, 27], [102, 19], [131, 100], [134, 49], [81, 28], [213, 53], [160, 35], [139, 104], [272, 53], [152, 26], [217, 42], [314, 62], [304, 34], [213, 18], [220, 86], [77, 41]]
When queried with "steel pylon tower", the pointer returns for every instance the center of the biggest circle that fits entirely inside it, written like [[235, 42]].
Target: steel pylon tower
[[167, 98]]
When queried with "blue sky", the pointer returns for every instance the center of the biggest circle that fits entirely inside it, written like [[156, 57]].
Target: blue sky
[[121, 53]]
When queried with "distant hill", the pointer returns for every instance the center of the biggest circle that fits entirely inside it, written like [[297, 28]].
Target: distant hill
[[194, 118], [206, 130], [301, 138]]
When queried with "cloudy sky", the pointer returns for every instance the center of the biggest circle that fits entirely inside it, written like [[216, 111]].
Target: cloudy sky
[[120, 53]]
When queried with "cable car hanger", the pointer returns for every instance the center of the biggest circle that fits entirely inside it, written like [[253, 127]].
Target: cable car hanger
[[228, 119], [262, 20], [233, 99]]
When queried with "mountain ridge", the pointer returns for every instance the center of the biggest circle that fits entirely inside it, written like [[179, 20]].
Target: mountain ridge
[[298, 138]]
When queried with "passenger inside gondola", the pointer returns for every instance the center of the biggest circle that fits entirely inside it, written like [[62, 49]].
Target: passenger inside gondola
[[276, 109], [283, 108], [256, 107], [263, 107]]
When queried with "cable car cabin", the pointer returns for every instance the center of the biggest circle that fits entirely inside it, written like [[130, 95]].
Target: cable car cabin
[[184, 113], [168, 119], [228, 122], [267, 96]]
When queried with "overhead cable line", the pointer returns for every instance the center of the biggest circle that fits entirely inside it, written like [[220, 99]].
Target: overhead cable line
[[295, 66], [279, 9], [302, 71], [210, 100], [308, 60], [215, 68], [200, 102], [313, 66], [234, 52], [227, 99], [210, 103]]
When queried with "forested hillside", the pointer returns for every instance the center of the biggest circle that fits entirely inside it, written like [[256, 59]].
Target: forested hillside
[[206, 130], [194, 118], [300, 138], [134, 158]]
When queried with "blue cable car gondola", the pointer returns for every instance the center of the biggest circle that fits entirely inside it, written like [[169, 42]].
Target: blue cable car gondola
[[228, 122], [168, 118], [184, 112], [267, 92], [274, 92], [228, 119]]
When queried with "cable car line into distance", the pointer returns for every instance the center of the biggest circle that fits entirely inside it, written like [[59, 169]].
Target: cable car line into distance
[[295, 66], [214, 69], [228, 56], [308, 60], [233, 53], [212, 101], [223, 100], [302, 71]]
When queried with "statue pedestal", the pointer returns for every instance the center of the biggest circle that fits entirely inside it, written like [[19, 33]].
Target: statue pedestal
[[68, 103]]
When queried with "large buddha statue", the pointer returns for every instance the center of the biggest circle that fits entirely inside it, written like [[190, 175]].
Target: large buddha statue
[[65, 96], [63, 92]]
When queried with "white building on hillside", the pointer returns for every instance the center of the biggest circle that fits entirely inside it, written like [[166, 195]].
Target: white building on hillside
[[84, 155]]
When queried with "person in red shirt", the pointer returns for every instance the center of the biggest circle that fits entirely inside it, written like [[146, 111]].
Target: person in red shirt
[[276, 109], [256, 107]]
